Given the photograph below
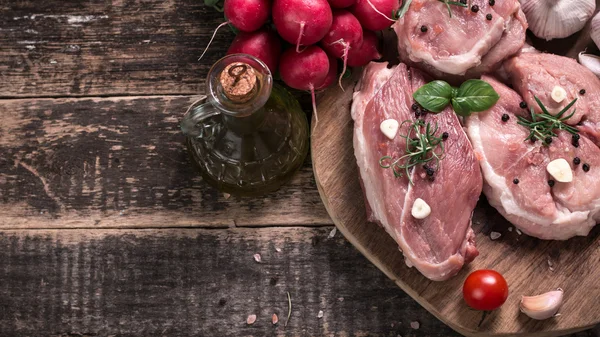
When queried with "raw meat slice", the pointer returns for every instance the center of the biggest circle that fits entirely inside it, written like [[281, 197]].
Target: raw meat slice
[[536, 74], [439, 245], [511, 43], [532, 205], [452, 45]]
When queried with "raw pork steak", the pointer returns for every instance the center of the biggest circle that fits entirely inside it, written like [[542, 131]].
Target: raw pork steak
[[536, 74], [466, 43], [440, 244], [557, 212]]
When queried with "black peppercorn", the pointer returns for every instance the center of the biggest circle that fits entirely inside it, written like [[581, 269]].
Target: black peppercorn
[[474, 8], [523, 105], [576, 161], [582, 92], [415, 106], [515, 181], [505, 117], [445, 135], [575, 140], [492, 2], [424, 29], [551, 183], [576, 136], [586, 167], [548, 140], [418, 113], [489, 17]]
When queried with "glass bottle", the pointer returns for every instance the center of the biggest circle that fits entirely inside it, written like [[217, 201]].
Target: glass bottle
[[251, 135]]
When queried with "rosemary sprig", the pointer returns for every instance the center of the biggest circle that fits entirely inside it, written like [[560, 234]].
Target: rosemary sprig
[[420, 149], [542, 126], [455, 3]]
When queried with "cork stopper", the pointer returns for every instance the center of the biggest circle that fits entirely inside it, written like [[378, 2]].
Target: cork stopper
[[239, 82]]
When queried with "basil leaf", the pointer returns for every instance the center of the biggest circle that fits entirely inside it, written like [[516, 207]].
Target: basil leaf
[[434, 96], [400, 13], [474, 96]]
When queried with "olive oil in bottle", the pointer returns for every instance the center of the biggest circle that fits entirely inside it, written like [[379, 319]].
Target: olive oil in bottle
[[251, 135]]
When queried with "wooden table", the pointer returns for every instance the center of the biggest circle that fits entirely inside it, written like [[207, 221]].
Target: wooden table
[[106, 229]]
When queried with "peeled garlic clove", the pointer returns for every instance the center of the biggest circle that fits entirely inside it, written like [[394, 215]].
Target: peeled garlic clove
[[592, 62], [560, 170], [558, 94], [542, 306], [420, 209], [389, 128], [552, 19]]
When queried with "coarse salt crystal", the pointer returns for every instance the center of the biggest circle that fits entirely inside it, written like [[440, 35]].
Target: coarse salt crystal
[[320, 314], [277, 249], [519, 232], [251, 319], [257, 258], [495, 235], [415, 325], [274, 319]]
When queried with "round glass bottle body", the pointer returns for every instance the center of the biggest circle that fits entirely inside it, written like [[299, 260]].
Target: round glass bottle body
[[248, 139]]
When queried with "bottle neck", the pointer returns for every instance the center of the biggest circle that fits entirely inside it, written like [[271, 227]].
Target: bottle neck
[[238, 85]]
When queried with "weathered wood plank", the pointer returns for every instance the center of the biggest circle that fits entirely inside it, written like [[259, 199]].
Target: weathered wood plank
[[74, 48], [199, 282], [121, 162]]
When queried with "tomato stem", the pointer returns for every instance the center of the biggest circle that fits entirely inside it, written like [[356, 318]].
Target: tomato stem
[[485, 313]]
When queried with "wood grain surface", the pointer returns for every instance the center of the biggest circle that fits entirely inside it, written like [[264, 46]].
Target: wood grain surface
[[530, 266], [120, 47], [121, 162], [89, 182]]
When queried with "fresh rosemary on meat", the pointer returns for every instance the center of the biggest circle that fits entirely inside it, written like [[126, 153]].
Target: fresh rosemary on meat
[[423, 147], [454, 3], [542, 126]]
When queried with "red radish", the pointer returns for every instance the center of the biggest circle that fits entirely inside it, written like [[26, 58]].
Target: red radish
[[341, 3], [263, 44], [247, 15], [302, 22], [304, 70], [375, 14], [331, 75], [345, 33], [367, 52]]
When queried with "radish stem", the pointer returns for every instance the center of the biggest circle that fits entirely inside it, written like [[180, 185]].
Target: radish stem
[[212, 38]]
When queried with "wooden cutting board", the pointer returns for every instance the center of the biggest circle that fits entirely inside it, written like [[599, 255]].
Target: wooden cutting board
[[530, 266]]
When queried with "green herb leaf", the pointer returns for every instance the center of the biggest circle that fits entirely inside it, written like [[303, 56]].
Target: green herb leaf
[[434, 96], [400, 13], [474, 96]]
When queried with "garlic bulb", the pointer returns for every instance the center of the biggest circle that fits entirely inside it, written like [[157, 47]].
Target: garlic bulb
[[592, 62], [595, 31], [542, 306], [551, 19]]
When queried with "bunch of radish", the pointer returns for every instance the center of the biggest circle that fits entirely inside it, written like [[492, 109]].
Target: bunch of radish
[[315, 33]]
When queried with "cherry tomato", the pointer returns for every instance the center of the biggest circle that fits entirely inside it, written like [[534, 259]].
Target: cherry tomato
[[485, 290]]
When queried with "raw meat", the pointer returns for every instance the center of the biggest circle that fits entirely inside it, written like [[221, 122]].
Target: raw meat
[[468, 44], [532, 205], [439, 245], [536, 74]]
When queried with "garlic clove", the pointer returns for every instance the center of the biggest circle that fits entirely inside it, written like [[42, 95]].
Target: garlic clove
[[558, 94], [542, 306], [551, 19], [595, 30], [560, 170], [389, 128], [420, 209], [592, 62]]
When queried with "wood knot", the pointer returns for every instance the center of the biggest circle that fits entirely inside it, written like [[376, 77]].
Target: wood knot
[[239, 82]]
